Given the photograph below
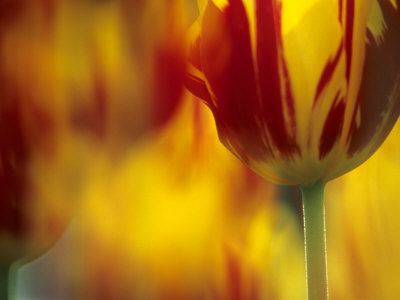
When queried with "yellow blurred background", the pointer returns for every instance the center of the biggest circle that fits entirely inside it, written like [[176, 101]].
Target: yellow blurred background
[[180, 218], [168, 213]]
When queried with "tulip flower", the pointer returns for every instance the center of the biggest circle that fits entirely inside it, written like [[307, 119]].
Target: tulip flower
[[301, 92], [77, 78], [131, 56], [35, 170]]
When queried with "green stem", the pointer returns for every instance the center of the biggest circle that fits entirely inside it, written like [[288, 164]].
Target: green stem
[[4, 275], [315, 241]]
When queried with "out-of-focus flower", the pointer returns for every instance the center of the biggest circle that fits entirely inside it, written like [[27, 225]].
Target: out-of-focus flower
[[364, 247], [79, 82], [30, 131], [125, 65], [301, 91]]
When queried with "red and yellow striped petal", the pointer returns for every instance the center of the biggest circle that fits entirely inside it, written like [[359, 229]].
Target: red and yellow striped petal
[[289, 82]]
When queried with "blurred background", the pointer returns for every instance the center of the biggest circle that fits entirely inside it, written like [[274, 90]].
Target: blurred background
[[114, 184]]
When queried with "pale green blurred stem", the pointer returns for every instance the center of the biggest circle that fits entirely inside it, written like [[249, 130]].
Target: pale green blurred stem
[[7, 281], [4, 281], [315, 241]]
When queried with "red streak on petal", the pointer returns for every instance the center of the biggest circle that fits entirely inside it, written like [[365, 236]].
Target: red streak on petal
[[327, 73], [349, 36], [348, 50], [380, 78], [198, 88], [332, 128], [289, 98], [269, 53], [228, 66]]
